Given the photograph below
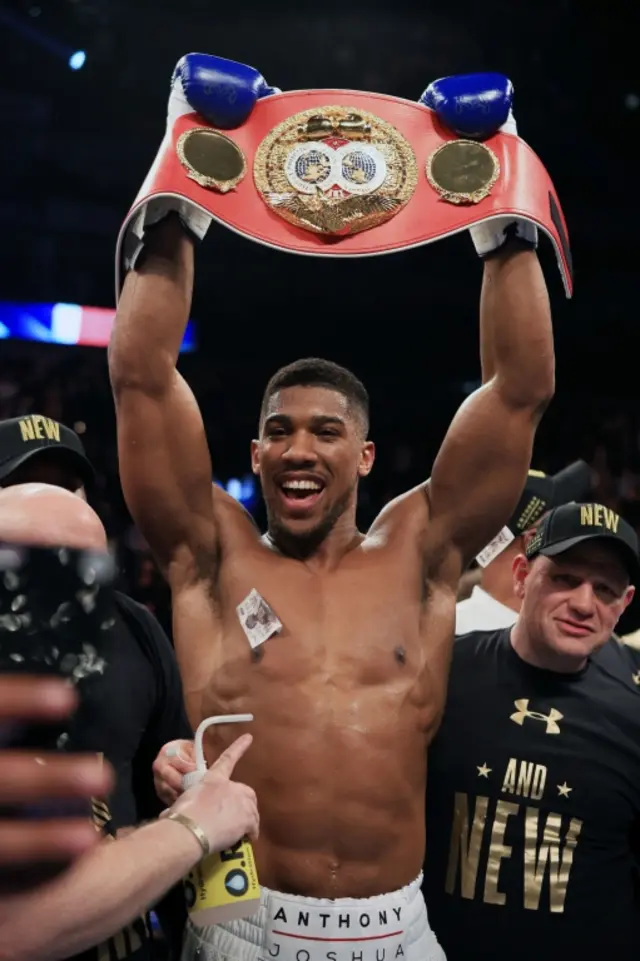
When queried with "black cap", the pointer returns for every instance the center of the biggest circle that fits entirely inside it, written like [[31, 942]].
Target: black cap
[[572, 524], [543, 492], [23, 437]]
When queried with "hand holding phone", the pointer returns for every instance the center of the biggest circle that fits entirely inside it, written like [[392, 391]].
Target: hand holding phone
[[56, 611]]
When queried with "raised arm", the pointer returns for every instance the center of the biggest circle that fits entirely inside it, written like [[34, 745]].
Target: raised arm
[[480, 471], [164, 460], [481, 468]]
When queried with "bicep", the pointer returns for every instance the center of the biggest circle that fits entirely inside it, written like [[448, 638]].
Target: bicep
[[481, 469], [165, 467]]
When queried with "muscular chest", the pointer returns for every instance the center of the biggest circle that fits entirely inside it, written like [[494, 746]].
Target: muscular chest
[[345, 635]]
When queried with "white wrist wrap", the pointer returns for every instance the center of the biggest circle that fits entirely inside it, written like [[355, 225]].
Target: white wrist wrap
[[492, 234]]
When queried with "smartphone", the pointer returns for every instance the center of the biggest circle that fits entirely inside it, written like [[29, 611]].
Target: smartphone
[[56, 610]]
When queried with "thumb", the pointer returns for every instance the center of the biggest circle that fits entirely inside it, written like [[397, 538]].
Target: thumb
[[228, 759], [182, 754]]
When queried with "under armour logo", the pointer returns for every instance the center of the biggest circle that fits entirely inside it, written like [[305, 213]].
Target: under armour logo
[[550, 719]]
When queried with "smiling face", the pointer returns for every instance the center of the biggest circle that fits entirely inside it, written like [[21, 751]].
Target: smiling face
[[310, 456], [572, 602]]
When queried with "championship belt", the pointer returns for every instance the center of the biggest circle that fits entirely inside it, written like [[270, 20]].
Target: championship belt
[[338, 173]]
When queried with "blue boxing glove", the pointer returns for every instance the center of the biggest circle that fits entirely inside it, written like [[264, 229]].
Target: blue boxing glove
[[473, 105], [477, 106], [222, 91]]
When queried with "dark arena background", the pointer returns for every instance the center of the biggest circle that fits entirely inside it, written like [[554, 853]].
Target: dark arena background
[[83, 90]]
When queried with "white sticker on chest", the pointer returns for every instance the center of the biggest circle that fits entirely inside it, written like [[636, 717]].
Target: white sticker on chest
[[258, 620]]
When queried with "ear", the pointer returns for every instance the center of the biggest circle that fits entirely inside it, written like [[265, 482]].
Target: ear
[[628, 596], [367, 457], [255, 456], [520, 569]]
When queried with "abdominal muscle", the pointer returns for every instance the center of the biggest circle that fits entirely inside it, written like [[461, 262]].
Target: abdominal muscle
[[341, 799]]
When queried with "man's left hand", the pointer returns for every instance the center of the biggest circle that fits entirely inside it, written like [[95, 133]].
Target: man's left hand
[[176, 759]]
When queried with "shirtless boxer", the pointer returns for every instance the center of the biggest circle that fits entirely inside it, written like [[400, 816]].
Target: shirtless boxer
[[348, 690]]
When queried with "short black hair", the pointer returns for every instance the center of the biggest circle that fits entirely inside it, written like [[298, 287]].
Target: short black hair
[[316, 372]]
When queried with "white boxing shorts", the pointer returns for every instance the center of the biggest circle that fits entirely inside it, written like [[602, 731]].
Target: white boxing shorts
[[291, 928]]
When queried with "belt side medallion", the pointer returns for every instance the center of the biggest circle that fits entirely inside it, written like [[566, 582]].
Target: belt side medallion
[[463, 171], [211, 159]]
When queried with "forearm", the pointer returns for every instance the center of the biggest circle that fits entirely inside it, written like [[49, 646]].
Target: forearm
[[154, 309], [516, 335], [99, 895]]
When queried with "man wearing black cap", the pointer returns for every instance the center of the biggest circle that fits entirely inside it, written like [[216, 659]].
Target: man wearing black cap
[[533, 797], [36, 448], [138, 705], [493, 602]]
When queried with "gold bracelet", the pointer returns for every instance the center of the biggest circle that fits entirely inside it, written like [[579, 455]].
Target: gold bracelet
[[195, 829]]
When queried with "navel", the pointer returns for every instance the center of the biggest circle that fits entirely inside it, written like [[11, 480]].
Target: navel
[[257, 653], [400, 655]]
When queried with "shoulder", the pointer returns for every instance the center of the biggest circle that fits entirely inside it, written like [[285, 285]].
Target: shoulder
[[408, 511], [618, 648], [475, 644], [618, 662], [136, 610], [143, 625], [631, 640], [406, 527], [476, 660], [236, 526], [197, 566]]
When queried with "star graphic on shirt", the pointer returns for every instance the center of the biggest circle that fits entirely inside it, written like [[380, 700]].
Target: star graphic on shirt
[[564, 789], [636, 678], [483, 770]]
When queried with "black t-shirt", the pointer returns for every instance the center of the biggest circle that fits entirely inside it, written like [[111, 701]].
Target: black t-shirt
[[533, 804], [127, 715]]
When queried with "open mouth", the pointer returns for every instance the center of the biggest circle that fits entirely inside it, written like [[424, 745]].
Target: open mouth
[[301, 495]]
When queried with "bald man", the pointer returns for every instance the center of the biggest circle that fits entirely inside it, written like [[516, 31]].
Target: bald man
[[106, 888], [130, 710], [45, 515]]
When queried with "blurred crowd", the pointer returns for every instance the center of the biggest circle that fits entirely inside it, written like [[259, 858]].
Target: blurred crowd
[[70, 384]]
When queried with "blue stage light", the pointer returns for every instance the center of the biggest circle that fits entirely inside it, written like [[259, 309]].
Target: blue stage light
[[77, 59]]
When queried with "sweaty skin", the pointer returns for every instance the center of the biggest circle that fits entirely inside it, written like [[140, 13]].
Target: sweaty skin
[[349, 694], [346, 698]]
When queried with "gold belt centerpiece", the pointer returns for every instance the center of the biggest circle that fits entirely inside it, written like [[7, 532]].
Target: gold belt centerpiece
[[336, 171]]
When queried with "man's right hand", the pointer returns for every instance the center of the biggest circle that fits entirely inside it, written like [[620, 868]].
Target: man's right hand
[[224, 809], [224, 93], [27, 778]]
